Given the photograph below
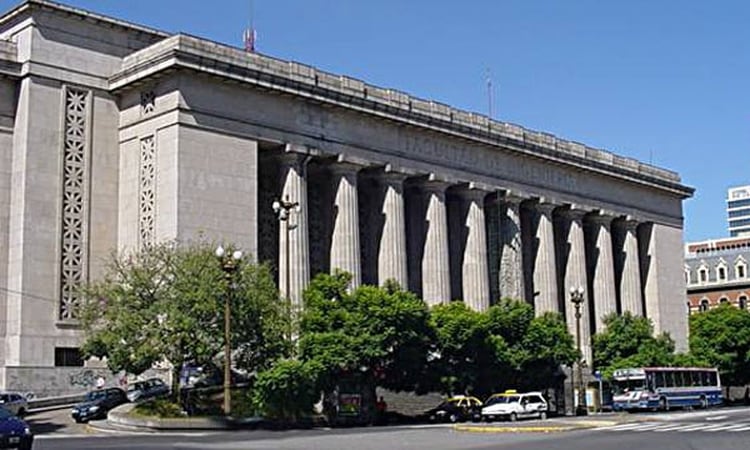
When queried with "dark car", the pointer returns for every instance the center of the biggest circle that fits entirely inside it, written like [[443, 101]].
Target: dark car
[[14, 432], [457, 409], [98, 403], [146, 389]]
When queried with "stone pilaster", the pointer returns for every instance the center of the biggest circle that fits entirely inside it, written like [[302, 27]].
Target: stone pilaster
[[474, 271], [545, 263], [294, 189], [511, 282], [392, 259], [436, 285], [345, 237], [630, 285], [575, 277], [602, 268]]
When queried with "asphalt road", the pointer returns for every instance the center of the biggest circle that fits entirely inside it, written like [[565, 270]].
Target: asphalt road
[[714, 429]]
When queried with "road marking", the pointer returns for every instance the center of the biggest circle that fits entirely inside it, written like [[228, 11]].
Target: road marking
[[744, 428], [666, 428], [687, 428], [716, 418]]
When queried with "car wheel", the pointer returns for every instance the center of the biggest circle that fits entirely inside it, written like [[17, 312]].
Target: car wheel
[[543, 415], [489, 419], [704, 402], [79, 420], [513, 417], [453, 418], [663, 404]]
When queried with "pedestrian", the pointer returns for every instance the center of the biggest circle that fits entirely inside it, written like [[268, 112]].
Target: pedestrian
[[381, 407]]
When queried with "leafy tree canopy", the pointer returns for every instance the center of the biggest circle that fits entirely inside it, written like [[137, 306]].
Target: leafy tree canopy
[[166, 303], [721, 337]]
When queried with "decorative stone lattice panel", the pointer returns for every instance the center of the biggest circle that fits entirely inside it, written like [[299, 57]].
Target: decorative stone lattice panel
[[148, 102], [75, 168], [147, 195]]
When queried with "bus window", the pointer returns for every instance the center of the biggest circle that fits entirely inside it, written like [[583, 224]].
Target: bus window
[[696, 378], [712, 378], [660, 379]]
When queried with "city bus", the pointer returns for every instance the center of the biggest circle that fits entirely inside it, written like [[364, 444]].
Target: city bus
[[662, 388]]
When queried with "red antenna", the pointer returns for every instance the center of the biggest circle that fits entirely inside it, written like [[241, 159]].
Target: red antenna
[[249, 36]]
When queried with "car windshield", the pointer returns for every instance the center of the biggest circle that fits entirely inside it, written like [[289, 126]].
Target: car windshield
[[95, 395], [624, 386]]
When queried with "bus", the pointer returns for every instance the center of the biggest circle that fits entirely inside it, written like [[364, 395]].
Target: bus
[[663, 388]]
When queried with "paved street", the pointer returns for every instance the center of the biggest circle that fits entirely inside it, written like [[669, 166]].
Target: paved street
[[716, 429]]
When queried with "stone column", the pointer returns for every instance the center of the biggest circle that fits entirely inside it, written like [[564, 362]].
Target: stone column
[[545, 264], [294, 189], [345, 253], [630, 284], [475, 273], [436, 284], [575, 277], [603, 274], [392, 263], [511, 250]]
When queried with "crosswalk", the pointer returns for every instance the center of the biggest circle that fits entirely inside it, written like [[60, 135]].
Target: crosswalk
[[684, 427]]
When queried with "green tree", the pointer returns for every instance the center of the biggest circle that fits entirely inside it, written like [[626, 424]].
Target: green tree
[[166, 303], [721, 337], [629, 341], [288, 390], [380, 336]]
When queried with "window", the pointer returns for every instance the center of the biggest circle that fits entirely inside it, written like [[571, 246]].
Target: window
[[68, 357], [687, 275], [723, 300], [703, 275], [740, 268], [721, 273], [742, 302], [704, 305]]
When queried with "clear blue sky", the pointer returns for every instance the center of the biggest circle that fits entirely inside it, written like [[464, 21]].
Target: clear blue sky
[[661, 81]]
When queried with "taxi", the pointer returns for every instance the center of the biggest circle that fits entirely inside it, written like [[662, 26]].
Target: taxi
[[457, 409], [512, 405]]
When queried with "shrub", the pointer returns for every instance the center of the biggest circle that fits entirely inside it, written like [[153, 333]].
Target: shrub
[[159, 407], [288, 390]]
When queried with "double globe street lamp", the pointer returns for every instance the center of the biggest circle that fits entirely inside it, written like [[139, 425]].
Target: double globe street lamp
[[229, 262], [576, 296]]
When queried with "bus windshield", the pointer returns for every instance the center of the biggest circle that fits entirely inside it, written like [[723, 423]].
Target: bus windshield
[[620, 387]]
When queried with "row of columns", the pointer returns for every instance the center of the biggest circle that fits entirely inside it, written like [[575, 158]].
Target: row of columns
[[560, 250]]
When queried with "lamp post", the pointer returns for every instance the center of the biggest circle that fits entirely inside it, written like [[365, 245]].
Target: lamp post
[[283, 210], [229, 262], [576, 296]]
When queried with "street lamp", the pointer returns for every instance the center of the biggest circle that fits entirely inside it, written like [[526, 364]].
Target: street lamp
[[576, 296], [229, 261]]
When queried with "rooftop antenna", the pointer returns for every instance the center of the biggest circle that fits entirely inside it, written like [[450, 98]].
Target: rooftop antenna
[[249, 36], [490, 100]]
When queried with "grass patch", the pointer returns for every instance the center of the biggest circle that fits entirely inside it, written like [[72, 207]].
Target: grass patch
[[160, 407]]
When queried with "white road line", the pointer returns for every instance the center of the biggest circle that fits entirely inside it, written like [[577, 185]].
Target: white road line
[[666, 428], [744, 428], [714, 428], [687, 428], [629, 426], [734, 427], [716, 418]]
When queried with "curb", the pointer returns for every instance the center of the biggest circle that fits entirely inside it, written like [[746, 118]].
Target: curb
[[120, 417], [583, 425]]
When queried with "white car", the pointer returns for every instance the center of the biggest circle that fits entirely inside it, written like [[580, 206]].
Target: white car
[[511, 405], [14, 402]]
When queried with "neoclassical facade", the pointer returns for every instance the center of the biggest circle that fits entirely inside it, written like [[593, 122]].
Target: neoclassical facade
[[114, 135], [716, 272]]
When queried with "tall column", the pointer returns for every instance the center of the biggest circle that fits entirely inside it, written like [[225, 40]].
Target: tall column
[[297, 267], [392, 263], [575, 278], [345, 238], [630, 284], [436, 285], [545, 263], [475, 273], [603, 275], [511, 250]]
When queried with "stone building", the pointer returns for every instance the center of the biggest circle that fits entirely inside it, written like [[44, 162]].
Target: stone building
[[114, 135], [716, 271]]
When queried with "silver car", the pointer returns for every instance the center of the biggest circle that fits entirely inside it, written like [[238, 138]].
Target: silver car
[[146, 389], [14, 402]]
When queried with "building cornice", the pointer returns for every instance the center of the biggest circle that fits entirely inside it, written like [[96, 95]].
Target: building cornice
[[188, 52]]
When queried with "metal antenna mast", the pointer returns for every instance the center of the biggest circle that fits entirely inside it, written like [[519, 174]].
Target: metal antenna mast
[[249, 35], [490, 100]]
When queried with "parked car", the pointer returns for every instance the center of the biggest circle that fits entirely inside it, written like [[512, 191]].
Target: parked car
[[511, 405], [146, 389], [457, 409], [14, 432], [15, 403], [98, 403]]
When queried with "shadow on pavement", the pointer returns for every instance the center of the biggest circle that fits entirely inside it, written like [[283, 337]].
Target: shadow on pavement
[[43, 425]]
